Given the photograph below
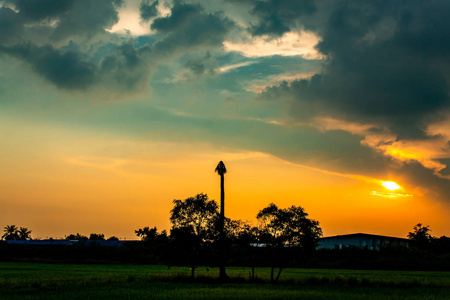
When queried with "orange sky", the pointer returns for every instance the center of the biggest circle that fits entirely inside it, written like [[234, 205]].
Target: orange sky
[[109, 110], [69, 182]]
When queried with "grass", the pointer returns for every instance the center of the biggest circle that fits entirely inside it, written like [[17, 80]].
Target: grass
[[76, 281]]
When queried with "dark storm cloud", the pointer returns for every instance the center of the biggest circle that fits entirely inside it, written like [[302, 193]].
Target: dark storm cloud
[[420, 176], [36, 10], [278, 16], [200, 66], [11, 26], [87, 18], [65, 69], [190, 27], [35, 30], [122, 68], [73, 18], [384, 64], [387, 64], [126, 69], [148, 9]]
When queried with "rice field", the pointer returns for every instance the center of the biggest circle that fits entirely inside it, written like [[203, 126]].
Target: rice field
[[79, 281]]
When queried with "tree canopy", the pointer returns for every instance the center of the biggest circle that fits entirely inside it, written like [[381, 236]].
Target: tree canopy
[[288, 227], [198, 214], [421, 234], [12, 232]]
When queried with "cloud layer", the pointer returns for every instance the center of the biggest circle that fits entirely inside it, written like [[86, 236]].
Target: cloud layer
[[345, 86]]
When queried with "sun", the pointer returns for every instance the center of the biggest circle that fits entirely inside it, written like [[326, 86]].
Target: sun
[[390, 185]]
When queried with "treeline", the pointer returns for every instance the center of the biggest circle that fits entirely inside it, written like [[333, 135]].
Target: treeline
[[422, 240], [285, 237], [194, 239]]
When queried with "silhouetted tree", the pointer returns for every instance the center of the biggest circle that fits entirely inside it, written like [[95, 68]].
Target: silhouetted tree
[[420, 233], [24, 233], [244, 237], [11, 232], [197, 213], [194, 223], [288, 227], [77, 237], [97, 237], [441, 245], [221, 170], [235, 231], [187, 247], [146, 234], [113, 238], [421, 236]]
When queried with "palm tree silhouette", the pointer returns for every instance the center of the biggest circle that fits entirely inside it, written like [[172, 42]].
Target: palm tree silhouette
[[11, 232], [221, 170], [24, 233]]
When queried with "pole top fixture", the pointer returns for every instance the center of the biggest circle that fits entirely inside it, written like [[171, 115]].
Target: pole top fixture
[[221, 169]]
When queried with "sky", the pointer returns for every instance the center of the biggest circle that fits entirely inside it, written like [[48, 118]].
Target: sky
[[110, 110]]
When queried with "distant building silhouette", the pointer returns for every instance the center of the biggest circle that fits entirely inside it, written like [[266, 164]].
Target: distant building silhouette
[[70, 242], [360, 240]]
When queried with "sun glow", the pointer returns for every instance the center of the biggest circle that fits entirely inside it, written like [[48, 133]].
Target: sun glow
[[390, 185]]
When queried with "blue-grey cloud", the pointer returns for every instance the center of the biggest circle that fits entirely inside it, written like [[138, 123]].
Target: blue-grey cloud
[[11, 26], [72, 17], [201, 65], [37, 10], [124, 70], [87, 18], [36, 32], [190, 27], [148, 9], [384, 65], [276, 17], [387, 64], [65, 69]]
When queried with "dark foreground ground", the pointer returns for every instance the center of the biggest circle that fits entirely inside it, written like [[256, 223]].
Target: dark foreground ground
[[82, 281]]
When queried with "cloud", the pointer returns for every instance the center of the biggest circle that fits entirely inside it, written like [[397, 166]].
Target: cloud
[[38, 10], [384, 67], [289, 44], [11, 26], [66, 69], [127, 69], [124, 70], [377, 73], [148, 9], [58, 20], [428, 152], [190, 27], [87, 18], [350, 87], [259, 85], [228, 68], [276, 17], [390, 194]]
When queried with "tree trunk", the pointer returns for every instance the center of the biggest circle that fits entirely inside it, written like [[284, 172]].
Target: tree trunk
[[222, 197], [192, 272], [222, 272], [253, 274], [278, 275], [271, 274]]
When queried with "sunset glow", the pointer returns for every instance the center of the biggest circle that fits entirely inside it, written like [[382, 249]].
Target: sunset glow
[[110, 110], [390, 185]]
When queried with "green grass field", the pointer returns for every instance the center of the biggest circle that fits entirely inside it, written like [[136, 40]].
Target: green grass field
[[72, 281]]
